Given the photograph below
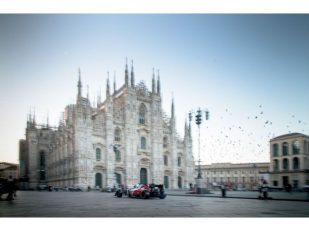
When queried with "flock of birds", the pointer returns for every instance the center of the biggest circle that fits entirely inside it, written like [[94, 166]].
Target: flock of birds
[[239, 140]]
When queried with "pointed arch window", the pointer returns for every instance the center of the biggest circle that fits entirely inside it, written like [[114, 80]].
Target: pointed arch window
[[142, 114], [143, 143], [117, 155], [165, 158], [98, 154], [165, 142], [179, 161], [117, 135]]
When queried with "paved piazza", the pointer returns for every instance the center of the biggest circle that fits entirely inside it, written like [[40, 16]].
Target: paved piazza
[[97, 204]]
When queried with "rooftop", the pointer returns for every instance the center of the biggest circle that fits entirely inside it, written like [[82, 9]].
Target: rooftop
[[295, 134]]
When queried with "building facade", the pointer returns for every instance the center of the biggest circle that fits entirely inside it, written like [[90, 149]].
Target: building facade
[[234, 176], [289, 157], [126, 139], [9, 169]]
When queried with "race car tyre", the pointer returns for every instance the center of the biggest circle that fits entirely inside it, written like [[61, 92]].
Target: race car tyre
[[145, 194], [162, 196], [119, 194]]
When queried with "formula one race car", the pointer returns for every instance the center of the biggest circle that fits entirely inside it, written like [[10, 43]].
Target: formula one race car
[[144, 191]]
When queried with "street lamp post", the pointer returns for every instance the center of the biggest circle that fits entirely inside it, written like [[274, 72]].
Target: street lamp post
[[198, 120]]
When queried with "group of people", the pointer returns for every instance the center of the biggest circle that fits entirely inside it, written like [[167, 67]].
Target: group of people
[[8, 186]]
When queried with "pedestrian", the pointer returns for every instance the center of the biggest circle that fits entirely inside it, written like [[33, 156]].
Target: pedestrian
[[265, 189], [223, 191], [10, 187], [289, 188], [260, 189]]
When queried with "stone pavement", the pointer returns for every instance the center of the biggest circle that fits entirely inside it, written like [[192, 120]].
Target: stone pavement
[[295, 196], [98, 204]]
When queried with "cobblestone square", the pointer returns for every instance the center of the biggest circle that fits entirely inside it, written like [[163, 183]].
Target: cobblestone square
[[97, 204]]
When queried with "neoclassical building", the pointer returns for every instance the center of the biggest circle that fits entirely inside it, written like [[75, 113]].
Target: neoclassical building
[[243, 175], [289, 157], [126, 139]]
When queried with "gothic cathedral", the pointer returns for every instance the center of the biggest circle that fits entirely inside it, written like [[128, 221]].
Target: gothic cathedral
[[126, 139]]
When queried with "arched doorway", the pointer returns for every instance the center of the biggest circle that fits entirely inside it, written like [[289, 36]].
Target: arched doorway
[[166, 182], [143, 176], [42, 165], [118, 178], [179, 182], [98, 180]]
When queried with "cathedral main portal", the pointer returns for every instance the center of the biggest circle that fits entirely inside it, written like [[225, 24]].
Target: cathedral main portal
[[143, 176]]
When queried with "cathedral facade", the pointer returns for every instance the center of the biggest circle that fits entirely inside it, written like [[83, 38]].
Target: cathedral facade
[[126, 139]]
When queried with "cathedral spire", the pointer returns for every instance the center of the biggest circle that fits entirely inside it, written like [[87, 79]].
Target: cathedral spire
[[29, 118], [93, 103], [61, 121], [99, 98], [115, 81], [47, 121], [88, 92], [189, 129], [33, 121], [107, 86], [186, 128], [153, 82], [29, 115], [173, 120], [79, 85], [173, 107], [132, 76], [158, 84], [126, 73]]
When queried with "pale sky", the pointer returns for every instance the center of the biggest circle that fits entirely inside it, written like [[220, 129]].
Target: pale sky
[[250, 72]]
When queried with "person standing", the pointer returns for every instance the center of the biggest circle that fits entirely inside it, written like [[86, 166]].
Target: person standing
[[265, 189], [223, 191], [11, 186], [289, 188]]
